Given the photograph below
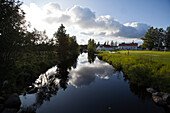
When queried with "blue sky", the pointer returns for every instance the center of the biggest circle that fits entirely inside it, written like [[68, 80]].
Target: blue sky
[[150, 12]]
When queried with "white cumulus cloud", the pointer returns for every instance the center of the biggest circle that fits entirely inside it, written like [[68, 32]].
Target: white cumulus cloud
[[84, 21]]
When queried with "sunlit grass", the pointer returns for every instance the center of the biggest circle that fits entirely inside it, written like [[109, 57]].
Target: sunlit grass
[[157, 56], [145, 68]]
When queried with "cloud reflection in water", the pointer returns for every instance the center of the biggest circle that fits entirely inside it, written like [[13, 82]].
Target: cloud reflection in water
[[86, 73]]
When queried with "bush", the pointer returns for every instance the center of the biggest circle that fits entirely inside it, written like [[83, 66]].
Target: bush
[[164, 71], [140, 74]]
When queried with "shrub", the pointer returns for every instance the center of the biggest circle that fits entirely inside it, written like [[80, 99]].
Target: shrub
[[164, 71], [140, 74]]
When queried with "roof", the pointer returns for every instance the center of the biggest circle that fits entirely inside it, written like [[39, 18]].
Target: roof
[[108, 46], [129, 44]]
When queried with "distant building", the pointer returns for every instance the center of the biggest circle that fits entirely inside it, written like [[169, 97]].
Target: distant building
[[139, 48], [128, 46], [106, 48]]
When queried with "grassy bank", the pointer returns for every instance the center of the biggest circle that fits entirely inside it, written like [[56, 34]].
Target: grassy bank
[[157, 56], [144, 68]]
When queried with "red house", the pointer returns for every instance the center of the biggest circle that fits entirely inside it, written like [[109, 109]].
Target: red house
[[128, 46]]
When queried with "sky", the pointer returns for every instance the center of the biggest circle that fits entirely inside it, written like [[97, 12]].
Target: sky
[[102, 20]]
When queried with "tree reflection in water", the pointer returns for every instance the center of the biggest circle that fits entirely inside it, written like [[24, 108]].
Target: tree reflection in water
[[91, 57], [49, 83], [84, 75], [140, 92]]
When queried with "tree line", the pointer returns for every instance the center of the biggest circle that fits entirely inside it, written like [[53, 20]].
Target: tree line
[[16, 40], [157, 38], [25, 54], [112, 43]]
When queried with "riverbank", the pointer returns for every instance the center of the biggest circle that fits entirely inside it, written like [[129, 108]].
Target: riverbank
[[22, 73], [19, 74], [143, 68]]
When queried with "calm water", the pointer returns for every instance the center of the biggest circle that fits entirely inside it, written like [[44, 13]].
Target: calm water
[[88, 88]]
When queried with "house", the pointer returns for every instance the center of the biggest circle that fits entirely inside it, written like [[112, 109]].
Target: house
[[106, 48], [128, 46]]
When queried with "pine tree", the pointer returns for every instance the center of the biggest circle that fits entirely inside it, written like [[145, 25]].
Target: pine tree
[[62, 42], [112, 43], [115, 43]]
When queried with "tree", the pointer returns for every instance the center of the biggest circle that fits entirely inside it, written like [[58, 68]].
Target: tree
[[12, 28], [150, 39], [62, 42], [112, 43], [104, 43], [66, 46], [116, 43], [156, 38], [91, 50], [107, 42], [167, 37], [98, 44], [160, 37], [36, 41], [91, 46], [73, 46]]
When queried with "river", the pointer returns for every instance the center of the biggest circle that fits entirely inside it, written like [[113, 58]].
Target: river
[[87, 88]]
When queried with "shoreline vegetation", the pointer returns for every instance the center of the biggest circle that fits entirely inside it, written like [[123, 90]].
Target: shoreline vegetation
[[26, 53], [143, 68], [19, 73], [22, 72]]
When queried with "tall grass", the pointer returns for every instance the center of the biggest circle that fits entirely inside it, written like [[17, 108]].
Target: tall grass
[[144, 68], [158, 56]]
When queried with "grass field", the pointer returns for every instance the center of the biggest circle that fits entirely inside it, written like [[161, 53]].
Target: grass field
[[144, 68], [157, 56]]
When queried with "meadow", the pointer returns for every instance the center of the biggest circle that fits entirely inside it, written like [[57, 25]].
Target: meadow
[[144, 68], [157, 56]]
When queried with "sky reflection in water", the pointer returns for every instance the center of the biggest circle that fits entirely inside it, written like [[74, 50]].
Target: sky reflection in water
[[86, 73], [92, 88]]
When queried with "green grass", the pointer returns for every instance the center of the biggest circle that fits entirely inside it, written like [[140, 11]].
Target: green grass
[[144, 68], [158, 56]]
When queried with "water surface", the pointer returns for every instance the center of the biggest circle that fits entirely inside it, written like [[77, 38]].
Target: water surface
[[88, 88]]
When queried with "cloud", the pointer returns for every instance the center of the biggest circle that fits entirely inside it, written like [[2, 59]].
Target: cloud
[[133, 30], [82, 16], [61, 19], [52, 7], [106, 25], [86, 73], [84, 20], [89, 33]]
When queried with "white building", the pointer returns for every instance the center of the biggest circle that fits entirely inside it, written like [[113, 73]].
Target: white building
[[106, 48], [128, 46]]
